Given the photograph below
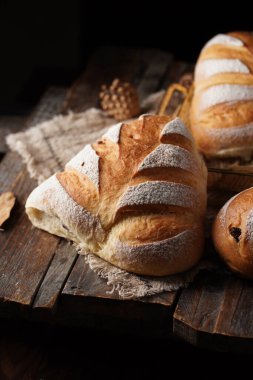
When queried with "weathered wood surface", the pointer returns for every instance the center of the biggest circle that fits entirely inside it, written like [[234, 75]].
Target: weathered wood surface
[[42, 277], [26, 252], [216, 310]]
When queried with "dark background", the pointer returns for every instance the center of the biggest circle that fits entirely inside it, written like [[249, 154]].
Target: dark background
[[48, 42]]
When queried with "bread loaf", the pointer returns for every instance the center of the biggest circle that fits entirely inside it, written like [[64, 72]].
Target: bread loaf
[[233, 233], [136, 198], [222, 106]]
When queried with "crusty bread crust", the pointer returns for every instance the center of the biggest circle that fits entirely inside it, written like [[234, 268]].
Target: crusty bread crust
[[222, 107], [136, 198]]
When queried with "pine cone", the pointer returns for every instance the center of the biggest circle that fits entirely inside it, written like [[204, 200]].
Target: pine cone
[[119, 100]]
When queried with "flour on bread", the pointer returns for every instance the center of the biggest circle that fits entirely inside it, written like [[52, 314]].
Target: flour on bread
[[210, 67], [176, 126], [160, 192], [50, 197], [225, 93], [224, 39], [166, 250], [231, 134], [86, 162], [167, 155], [113, 133]]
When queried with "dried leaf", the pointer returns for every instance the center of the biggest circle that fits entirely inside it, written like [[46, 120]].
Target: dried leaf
[[7, 201]]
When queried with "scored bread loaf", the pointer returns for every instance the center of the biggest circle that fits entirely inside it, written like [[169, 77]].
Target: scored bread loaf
[[222, 105], [136, 198], [233, 233]]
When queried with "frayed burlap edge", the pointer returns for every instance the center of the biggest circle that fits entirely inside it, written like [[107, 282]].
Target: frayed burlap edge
[[132, 286]]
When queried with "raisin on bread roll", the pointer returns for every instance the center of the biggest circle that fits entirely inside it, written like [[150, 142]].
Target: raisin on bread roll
[[233, 233], [136, 198], [222, 105]]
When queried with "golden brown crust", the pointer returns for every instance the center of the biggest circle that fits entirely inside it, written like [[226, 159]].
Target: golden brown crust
[[224, 100], [79, 188], [233, 234], [144, 188]]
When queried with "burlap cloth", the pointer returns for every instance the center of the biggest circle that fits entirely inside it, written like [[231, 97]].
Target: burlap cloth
[[46, 147]]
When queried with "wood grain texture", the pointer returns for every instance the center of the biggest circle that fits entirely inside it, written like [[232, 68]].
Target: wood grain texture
[[87, 300], [25, 252], [216, 312], [51, 286], [84, 282]]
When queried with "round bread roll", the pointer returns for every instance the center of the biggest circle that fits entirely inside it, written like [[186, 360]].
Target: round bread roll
[[222, 105], [233, 233]]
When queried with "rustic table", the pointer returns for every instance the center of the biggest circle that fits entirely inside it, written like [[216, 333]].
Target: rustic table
[[43, 279]]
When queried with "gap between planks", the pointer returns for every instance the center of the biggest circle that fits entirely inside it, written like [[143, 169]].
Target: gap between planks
[[216, 311]]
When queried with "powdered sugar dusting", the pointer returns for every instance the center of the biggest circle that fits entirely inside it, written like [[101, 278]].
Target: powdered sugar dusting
[[52, 198], [113, 133], [176, 126], [167, 155], [225, 93], [160, 192], [209, 67], [86, 162], [231, 134], [164, 250], [224, 39]]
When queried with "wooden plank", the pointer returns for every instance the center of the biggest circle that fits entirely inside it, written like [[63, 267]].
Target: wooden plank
[[87, 300], [60, 267], [109, 63], [84, 282], [26, 252], [216, 312]]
